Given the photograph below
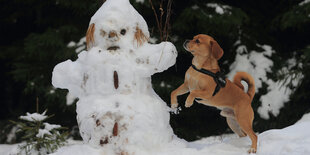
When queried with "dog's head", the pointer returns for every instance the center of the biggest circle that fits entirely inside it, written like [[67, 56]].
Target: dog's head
[[204, 46], [110, 36]]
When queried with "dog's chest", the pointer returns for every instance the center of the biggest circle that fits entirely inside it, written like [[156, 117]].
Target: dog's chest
[[193, 79]]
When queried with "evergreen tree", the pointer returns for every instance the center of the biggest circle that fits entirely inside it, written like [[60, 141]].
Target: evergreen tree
[[41, 137]]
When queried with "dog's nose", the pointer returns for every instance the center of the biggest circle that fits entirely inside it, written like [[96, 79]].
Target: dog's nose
[[112, 34], [185, 44]]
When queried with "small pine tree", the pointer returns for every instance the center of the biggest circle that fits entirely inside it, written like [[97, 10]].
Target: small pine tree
[[41, 137]]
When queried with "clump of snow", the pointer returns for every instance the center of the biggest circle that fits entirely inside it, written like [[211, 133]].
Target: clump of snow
[[71, 44], [219, 9], [304, 2], [195, 7], [52, 90], [174, 38], [140, 1], [47, 128], [163, 84], [50, 127], [280, 89], [255, 63], [43, 132], [153, 40], [118, 108], [34, 117], [70, 99], [80, 46], [12, 135]]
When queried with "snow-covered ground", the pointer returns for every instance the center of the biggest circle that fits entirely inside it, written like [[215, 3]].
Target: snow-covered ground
[[292, 140]]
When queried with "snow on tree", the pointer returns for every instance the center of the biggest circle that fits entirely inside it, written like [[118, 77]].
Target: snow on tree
[[117, 105], [40, 137], [259, 64]]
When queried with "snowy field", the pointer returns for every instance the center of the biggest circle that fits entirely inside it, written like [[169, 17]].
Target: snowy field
[[292, 140]]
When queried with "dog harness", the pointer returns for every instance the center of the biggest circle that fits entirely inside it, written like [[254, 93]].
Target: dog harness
[[218, 78]]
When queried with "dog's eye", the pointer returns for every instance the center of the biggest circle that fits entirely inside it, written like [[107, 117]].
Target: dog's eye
[[123, 31], [197, 41]]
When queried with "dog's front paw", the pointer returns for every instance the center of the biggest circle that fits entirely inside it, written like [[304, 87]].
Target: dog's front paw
[[174, 102], [174, 105], [189, 102]]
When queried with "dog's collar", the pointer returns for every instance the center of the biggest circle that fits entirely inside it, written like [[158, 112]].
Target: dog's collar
[[218, 78]]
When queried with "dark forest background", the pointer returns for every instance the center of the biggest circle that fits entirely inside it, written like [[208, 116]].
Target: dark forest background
[[35, 35]]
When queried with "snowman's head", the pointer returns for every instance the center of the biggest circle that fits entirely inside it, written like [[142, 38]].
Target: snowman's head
[[113, 35], [117, 25]]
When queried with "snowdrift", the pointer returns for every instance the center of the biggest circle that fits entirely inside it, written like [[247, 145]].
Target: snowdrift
[[292, 140]]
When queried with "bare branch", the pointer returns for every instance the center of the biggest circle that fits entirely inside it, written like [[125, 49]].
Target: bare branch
[[167, 24], [163, 28], [157, 21]]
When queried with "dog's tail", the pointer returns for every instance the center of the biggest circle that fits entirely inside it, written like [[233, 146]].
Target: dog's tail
[[249, 80]]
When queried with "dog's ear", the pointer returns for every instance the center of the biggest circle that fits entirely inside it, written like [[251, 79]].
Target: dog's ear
[[216, 50], [140, 36], [90, 36]]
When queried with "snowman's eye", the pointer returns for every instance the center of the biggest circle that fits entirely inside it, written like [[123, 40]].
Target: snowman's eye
[[102, 32], [123, 31]]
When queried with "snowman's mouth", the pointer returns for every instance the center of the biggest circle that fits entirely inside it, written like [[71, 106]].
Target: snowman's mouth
[[113, 48]]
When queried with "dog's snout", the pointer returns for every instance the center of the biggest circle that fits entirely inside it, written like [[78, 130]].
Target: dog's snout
[[112, 34], [185, 44]]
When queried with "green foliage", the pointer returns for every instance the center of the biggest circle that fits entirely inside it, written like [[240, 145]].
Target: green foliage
[[206, 20], [41, 53], [40, 137], [6, 132], [298, 17]]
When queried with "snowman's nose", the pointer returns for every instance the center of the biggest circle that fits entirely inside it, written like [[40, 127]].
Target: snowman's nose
[[112, 34]]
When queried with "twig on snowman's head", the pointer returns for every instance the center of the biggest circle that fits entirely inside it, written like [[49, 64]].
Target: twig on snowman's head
[[163, 30], [157, 20], [167, 24]]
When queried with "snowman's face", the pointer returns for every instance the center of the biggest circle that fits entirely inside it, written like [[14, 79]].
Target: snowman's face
[[113, 35]]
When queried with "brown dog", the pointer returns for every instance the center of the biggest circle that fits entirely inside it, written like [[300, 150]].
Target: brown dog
[[225, 95]]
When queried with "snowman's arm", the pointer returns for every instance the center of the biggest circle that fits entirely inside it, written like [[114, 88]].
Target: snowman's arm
[[163, 56], [67, 75]]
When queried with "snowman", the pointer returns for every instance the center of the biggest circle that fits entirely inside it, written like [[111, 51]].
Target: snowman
[[117, 107]]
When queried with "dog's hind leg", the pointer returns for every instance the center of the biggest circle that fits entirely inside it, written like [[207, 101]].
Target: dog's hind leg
[[231, 121], [227, 112], [244, 116], [234, 126]]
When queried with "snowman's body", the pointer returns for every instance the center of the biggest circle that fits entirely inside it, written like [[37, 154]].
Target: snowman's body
[[117, 105]]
